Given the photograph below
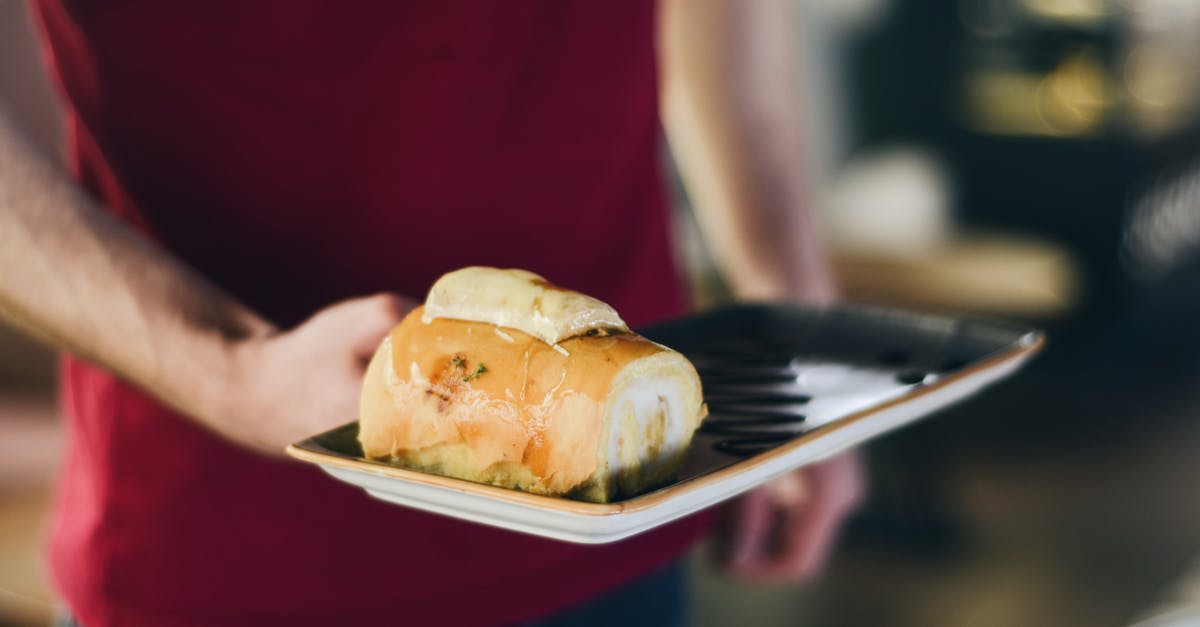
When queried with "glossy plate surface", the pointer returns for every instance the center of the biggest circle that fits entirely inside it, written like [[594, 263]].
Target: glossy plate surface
[[786, 386]]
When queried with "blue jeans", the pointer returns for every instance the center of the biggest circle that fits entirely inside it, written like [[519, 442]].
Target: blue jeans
[[659, 599]]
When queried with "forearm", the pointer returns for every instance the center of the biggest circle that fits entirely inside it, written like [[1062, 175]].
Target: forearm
[[731, 112], [87, 284]]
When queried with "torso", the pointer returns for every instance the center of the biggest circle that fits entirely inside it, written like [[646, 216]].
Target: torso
[[298, 154]]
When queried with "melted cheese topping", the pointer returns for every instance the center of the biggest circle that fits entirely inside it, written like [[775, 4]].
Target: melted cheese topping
[[518, 299]]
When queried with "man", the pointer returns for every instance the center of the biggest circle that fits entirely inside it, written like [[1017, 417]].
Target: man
[[240, 166]]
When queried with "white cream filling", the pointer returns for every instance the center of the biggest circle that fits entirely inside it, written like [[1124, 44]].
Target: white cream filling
[[651, 420]]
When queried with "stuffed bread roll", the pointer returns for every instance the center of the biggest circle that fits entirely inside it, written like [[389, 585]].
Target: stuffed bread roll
[[599, 413]]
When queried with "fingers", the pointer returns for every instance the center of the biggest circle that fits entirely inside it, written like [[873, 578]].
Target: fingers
[[841, 478], [810, 529], [325, 357], [746, 525], [363, 322], [790, 490], [377, 314], [807, 538], [786, 531]]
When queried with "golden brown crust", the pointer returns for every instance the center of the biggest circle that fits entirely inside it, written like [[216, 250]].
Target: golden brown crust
[[529, 414]]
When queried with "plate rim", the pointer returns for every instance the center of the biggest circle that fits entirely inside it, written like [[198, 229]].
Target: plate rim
[[309, 450]]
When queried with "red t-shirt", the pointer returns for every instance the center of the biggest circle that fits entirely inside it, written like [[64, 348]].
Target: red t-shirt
[[302, 152]]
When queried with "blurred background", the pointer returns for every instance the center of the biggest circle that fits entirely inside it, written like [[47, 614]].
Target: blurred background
[[1034, 160]]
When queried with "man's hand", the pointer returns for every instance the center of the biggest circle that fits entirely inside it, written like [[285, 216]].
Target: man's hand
[[731, 111], [784, 531], [87, 284], [288, 386]]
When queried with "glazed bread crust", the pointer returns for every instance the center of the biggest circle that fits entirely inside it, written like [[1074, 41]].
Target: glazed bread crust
[[598, 416]]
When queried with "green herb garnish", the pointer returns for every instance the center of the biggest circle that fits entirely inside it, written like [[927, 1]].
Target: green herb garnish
[[479, 370]]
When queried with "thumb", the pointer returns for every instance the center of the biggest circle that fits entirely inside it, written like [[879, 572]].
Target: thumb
[[363, 322]]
